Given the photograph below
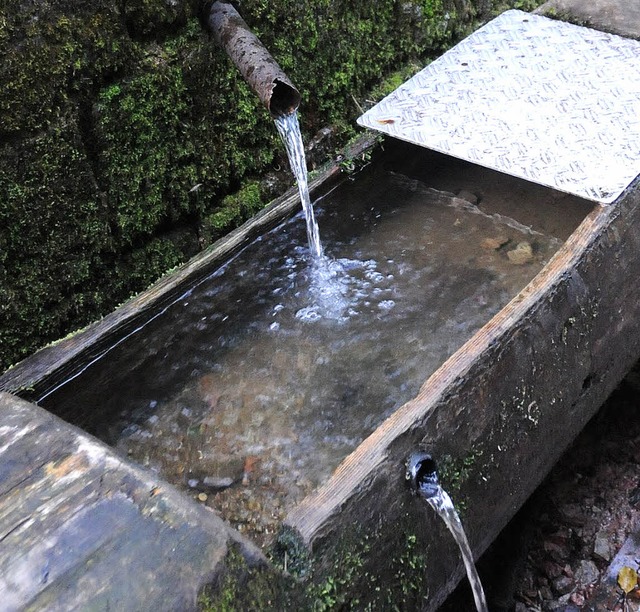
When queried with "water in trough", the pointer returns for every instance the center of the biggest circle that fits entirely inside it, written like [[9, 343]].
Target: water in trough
[[252, 386]]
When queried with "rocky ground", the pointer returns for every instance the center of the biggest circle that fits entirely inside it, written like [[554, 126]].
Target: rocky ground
[[564, 550]]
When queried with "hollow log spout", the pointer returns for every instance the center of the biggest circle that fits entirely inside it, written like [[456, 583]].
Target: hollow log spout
[[255, 63]]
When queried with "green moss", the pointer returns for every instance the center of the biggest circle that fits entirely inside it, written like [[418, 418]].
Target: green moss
[[393, 80], [348, 573], [147, 17], [146, 157], [290, 554], [405, 587], [143, 265], [499, 6], [455, 473], [336, 591], [350, 46], [52, 216], [351, 576], [233, 210], [163, 155], [265, 588], [244, 587], [51, 60]]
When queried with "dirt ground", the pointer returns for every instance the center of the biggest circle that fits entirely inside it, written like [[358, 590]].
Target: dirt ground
[[559, 552]]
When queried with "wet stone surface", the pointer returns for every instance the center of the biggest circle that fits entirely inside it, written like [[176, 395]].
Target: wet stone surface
[[250, 389]]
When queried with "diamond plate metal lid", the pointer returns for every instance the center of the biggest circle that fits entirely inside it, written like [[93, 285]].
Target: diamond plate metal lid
[[543, 100]]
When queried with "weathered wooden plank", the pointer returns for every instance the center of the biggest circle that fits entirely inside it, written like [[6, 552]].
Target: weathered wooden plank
[[81, 528], [372, 452]]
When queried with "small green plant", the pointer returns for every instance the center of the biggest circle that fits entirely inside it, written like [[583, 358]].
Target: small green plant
[[351, 165], [410, 567], [242, 587], [335, 592]]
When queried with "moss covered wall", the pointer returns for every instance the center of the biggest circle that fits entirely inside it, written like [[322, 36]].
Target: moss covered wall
[[123, 128]]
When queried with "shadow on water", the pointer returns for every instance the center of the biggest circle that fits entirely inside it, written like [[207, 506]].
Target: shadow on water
[[265, 376]]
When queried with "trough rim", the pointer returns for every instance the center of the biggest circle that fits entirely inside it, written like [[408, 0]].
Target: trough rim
[[44, 371], [311, 518]]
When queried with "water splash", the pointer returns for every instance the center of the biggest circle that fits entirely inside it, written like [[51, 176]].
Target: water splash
[[289, 129], [340, 290], [421, 470]]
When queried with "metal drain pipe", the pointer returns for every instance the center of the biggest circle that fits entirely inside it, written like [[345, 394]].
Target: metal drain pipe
[[255, 63]]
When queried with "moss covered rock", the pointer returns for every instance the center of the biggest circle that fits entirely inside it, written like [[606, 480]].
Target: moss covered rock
[[125, 129]]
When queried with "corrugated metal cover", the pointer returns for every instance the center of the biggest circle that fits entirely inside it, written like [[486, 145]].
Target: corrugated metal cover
[[543, 100]]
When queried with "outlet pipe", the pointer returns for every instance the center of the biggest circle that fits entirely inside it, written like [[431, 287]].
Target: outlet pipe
[[255, 63], [422, 474]]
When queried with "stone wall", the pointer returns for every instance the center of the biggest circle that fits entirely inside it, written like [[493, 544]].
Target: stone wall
[[123, 130]]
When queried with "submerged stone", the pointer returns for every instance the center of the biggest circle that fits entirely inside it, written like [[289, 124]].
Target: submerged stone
[[587, 572], [522, 254], [493, 244]]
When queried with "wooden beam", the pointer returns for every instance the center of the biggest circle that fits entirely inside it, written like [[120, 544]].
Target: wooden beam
[[81, 528]]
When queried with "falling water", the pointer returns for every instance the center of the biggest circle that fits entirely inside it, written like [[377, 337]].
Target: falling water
[[421, 470], [289, 130], [442, 504]]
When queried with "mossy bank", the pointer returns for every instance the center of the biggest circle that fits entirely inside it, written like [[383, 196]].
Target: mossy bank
[[128, 142]]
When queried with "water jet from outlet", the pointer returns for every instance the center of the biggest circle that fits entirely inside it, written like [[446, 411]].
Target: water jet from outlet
[[423, 476]]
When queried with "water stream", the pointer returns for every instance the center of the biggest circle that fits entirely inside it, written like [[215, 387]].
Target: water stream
[[442, 504], [289, 129], [422, 472]]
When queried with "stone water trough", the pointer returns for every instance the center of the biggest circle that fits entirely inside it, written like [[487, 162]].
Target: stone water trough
[[83, 527]]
